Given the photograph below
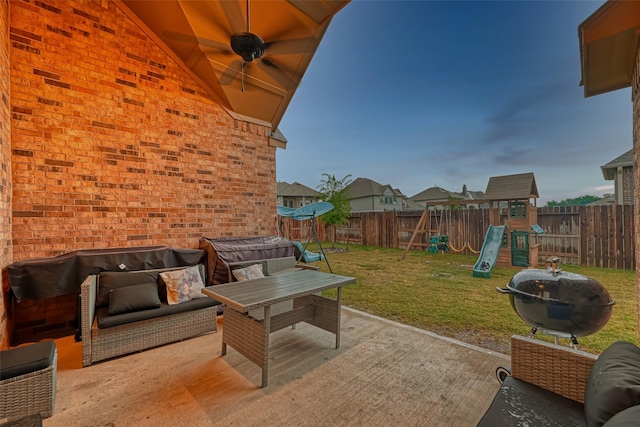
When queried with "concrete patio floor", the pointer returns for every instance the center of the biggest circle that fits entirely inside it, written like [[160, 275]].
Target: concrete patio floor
[[385, 373]]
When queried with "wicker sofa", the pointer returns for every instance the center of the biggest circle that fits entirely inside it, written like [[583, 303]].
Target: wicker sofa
[[553, 385], [108, 333]]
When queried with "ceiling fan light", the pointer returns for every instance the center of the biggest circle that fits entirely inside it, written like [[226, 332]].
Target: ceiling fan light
[[248, 55], [249, 46]]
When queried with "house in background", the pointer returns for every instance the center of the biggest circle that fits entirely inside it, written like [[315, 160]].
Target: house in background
[[366, 195], [295, 195], [408, 204], [431, 196], [620, 171]]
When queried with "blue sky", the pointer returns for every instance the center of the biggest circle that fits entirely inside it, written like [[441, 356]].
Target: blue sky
[[422, 93]]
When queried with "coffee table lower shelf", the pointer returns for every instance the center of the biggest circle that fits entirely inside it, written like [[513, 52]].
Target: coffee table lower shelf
[[250, 335]]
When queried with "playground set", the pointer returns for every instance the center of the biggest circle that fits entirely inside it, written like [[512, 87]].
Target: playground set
[[511, 236]]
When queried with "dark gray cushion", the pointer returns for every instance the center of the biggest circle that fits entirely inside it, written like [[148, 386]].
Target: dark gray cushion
[[24, 360], [107, 321], [519, 403], [614, 383], [109, 280], [134, 298], [630, 417]]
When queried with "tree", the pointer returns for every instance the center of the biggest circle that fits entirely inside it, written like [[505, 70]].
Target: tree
[[578, 201], [454, 207], [333, 190]]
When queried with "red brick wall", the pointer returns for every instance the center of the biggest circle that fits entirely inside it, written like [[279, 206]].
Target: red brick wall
[[5, 171], [635, 96], [114, 145]]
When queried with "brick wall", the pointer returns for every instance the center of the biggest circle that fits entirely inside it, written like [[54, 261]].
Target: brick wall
[[635, 96], [113, 144], [627, 185], [5, 171]]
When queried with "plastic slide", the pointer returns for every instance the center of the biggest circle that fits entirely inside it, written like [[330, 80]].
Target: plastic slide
[[489, 252]]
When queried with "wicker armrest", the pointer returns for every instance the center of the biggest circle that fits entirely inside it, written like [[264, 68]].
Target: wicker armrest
[[560, 369], [88, 294]]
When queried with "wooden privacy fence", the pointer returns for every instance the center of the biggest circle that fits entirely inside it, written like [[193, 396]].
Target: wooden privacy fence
[[597, 236]]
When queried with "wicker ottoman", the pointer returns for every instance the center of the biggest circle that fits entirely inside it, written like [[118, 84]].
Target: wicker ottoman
[[28, 381]]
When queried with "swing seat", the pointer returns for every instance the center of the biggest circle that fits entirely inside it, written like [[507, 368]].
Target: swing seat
[[304, 255]]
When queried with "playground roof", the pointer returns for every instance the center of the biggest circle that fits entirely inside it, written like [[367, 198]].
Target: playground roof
[[512, 187]]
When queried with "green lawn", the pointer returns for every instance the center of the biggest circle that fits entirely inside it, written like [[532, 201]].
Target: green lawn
[[437, 292]]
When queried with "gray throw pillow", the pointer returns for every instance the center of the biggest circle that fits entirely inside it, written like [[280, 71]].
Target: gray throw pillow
[[133, 298], [614, 383], [109, 280], [248, 273]]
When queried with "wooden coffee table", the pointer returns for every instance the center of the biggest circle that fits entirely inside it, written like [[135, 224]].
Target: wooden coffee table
[[255, 308]]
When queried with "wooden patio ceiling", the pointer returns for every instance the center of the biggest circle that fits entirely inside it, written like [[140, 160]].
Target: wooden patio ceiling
[[197, 35]]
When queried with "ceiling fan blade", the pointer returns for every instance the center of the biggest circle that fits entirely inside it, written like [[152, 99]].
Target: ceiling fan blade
[[235, 17], [201, 41], [275, 72], [288, 46], [232, 72], [213, 44]]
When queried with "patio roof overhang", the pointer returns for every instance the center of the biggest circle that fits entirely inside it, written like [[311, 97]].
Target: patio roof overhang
[[608, 46], [196, 34]]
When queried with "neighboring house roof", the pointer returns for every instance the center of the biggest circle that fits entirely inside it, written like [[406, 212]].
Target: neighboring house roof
[[364, 187], [476, 195], [607, 200], [433, 193], [296, 189], [624, 160], [410, 205], [399, 193], [510, 187], [440, 194]]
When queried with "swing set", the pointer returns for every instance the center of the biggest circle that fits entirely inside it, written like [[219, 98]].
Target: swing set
[[466, 232], [439, 241]]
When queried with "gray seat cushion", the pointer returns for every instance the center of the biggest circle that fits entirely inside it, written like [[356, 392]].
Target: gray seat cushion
[[519, 403], [107, 321], [23, 360]]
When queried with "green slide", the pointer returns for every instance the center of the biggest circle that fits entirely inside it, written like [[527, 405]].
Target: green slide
[[489, 253]]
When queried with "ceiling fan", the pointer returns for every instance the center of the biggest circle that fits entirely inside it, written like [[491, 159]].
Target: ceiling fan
[[252, 49]]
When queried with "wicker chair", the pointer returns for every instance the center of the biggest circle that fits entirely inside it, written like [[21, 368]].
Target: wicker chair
[[560, 372], [31, 393]]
